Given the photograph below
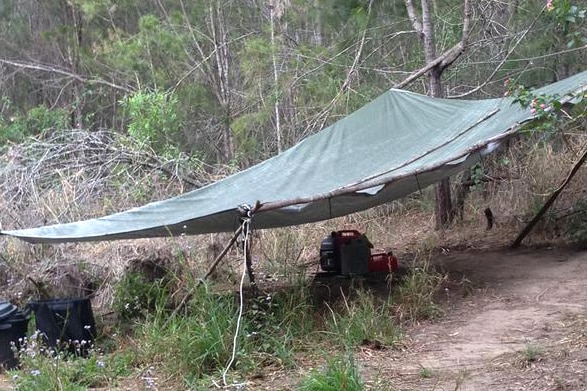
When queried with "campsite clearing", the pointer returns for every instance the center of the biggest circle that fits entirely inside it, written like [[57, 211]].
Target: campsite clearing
[[514, 320]]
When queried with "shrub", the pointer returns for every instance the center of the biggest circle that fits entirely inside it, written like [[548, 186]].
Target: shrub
[[153, 118], [36, 121]]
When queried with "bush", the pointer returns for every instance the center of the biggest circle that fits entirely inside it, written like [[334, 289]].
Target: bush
[[36, 121], [153, 118]]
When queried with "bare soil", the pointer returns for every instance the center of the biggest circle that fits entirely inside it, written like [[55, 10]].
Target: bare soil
[[512, 320], [518, 321]]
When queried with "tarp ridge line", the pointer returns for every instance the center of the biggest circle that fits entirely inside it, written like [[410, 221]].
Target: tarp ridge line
[[272, 205], [413, 160]]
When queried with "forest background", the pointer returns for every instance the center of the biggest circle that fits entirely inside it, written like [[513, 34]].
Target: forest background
[[237, 82]]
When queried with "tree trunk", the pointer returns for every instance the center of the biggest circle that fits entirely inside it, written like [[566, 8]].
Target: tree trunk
[[424, 26]]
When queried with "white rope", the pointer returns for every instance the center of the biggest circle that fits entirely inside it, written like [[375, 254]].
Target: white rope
[[246, 225]]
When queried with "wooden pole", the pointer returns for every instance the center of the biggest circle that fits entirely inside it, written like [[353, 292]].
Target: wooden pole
[[550, 201], [223, 253]]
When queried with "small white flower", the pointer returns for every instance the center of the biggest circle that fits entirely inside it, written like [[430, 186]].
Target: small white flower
[[35, 372]]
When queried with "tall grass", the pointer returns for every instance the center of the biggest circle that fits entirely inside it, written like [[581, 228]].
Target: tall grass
[[365, 319], [194, 343], [200, 341], [278, 325], [416, 294]]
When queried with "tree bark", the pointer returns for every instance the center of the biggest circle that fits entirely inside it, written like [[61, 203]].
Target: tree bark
[[424, 26]]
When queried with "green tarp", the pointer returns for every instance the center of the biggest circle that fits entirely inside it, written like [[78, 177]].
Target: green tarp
[[393, 146]]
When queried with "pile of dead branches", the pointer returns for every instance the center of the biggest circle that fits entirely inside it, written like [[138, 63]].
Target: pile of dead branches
[[74, 174]]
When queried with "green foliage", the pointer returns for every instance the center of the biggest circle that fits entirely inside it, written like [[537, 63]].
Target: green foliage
[[43, 368], [194, 343], [545, 108], [153, 118], [135, 296], [36, 121], [570, 20], [340, 374], [477, 175]]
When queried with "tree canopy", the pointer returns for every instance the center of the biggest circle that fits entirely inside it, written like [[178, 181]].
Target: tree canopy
[[235, 82]]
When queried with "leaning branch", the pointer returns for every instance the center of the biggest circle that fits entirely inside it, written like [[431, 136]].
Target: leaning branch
[[459, 48], [448, 57], [62, 72], [550, 201], [439, 60]]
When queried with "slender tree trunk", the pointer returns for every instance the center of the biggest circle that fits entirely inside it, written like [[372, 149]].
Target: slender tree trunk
[[222, 57], [443, 210], [275, 78]]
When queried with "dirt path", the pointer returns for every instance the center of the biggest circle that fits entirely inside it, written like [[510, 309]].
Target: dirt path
[[521, 326]]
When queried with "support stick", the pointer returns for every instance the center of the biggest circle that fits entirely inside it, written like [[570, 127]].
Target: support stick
[[249, 261], [223, 253]]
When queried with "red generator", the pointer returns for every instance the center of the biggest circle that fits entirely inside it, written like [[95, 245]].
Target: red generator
[[348, 252]]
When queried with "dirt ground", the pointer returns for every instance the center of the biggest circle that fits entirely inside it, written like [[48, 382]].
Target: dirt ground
[[515, 320], [518, 321]]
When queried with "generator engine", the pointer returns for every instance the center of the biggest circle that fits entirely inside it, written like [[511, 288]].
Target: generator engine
[[348, 252]]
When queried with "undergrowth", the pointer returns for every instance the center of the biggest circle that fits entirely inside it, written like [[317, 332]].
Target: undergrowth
[[46, 368]]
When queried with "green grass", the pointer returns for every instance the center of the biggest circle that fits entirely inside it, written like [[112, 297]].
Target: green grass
[[532, 353], [44, 368], [339, 374], [417, 292], [191, 347], [425, 373], [191, 344], [364, 319]]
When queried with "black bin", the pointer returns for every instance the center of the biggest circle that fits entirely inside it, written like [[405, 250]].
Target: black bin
[[13, 328], [65, 323]]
